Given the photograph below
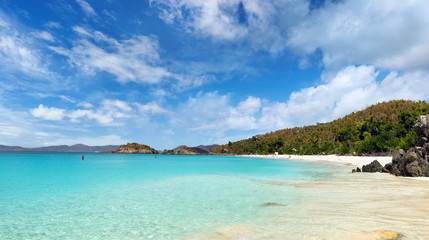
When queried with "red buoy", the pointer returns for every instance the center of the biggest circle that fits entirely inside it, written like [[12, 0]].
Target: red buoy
[[82, 157]]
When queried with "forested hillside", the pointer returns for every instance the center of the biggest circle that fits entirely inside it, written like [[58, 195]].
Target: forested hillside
[[380, 128]]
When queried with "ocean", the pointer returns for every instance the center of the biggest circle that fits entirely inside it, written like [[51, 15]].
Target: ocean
[[121, 196]]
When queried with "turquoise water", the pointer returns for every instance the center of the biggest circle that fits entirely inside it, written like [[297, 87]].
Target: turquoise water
[[119, 196]]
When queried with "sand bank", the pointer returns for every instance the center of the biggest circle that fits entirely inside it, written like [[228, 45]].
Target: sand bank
[[354, 161]]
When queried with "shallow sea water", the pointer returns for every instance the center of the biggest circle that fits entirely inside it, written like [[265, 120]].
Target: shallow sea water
[[115, 196]]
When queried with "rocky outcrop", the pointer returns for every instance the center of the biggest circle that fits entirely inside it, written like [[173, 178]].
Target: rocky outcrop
[[415, 161], [181, 150], [374, 166], [135, 148]]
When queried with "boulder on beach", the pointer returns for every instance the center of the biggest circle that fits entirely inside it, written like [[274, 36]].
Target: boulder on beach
[[415, 161], [374, 166]]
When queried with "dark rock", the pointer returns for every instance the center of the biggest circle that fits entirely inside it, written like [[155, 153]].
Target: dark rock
[[422, 129], [414, 162], [411, 157], [358, 169], [388, 167], [397, 155], [374, 166]]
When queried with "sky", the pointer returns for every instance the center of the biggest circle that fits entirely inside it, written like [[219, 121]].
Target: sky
[[189, 72]]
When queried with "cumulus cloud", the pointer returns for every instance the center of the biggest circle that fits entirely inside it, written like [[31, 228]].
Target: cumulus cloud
[[236, 19], [249, 106], [48, 113], [110, 112], [350, 89], [387, 34]]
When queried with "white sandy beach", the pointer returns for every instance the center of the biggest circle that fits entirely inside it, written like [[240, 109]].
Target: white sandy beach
[[355, 161]]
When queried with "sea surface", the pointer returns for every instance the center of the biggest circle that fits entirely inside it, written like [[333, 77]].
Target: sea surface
[[120, 196]]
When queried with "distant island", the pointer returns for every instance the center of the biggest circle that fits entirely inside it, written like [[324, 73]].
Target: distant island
[[60, 148], [136, 148]]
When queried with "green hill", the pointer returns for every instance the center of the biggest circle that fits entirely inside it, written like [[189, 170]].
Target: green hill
[[380, 128]]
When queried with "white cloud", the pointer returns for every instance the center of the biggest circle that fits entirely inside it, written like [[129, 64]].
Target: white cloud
[[85, 104], [44, 35], [135, 59], [263, 23], [87, 9], [15, 55], [385, 33], [113, 105], [110, 112], [250, 106], [48, 113], [3, 23], [67, 99], [351, 89], [10, 130], [54, 25], [20, 52], [213, 111], [151, 107]]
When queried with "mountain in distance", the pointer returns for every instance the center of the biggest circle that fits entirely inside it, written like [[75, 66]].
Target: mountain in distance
[[181, 150], [378, 129], [204, 149], [60, 148]]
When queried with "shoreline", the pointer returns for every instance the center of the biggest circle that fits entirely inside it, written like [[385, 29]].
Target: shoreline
[[352, 161], [336, 160]]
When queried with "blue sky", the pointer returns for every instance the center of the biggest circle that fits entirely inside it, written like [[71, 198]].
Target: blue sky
[[172, 72]]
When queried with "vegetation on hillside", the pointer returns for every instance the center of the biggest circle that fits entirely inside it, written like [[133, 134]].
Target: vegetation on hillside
[[380, 128], [134, 148], [137, 146]]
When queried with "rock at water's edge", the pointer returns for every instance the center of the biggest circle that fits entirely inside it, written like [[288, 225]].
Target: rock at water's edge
[[374, 166]]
